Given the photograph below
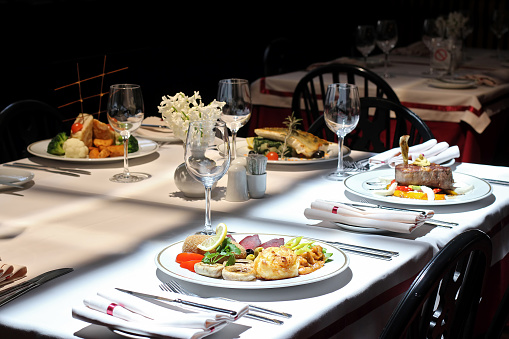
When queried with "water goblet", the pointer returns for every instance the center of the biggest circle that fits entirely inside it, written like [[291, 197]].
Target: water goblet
[[365, 40], [236, 95], [430, 33], [341, 113], [207, 158], [386, 39], [499, 27], [125, 115]]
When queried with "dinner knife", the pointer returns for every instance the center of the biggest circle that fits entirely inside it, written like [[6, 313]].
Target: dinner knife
[[157, 126], [180, 301], [14, 292], [44, 169], [74, 170]]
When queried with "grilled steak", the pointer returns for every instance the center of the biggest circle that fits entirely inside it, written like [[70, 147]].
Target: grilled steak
[[431, 176]]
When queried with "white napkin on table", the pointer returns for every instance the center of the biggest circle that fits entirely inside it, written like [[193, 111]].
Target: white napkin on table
[[394, 221], [491, 78], [117, 309], [435, 152]]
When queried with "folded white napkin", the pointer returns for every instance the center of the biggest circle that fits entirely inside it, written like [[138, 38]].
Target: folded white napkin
[[435, 152], [129, 313], [11, 272], [394, 221]]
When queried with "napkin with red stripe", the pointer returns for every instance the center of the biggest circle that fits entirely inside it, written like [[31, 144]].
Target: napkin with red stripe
[[389, 220], [131, 314]]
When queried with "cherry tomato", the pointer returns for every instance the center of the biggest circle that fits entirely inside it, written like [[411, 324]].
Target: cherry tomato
[[111, 128], [189, 264], [75, 128], [181, 257], [272, 156]]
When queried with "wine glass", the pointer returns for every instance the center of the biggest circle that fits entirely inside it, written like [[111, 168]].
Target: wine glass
[[365, 40], [341, 113], [499, 27], [125, 114], [386, 39], [204, 161], [430, 33], [236, 95]]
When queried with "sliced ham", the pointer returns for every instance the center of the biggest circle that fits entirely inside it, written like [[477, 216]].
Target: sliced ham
[[277, 242], [251, 242]]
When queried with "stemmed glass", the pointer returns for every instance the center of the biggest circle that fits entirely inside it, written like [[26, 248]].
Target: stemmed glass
[[430, 33], [365, 40], [236, 95], [500, 26], [386, 39], [125, 114], [204, 161], [341, 113]]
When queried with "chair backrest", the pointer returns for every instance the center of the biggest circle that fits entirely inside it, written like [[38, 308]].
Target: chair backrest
[[24, 122], [444, 298], [309, 94], [382, 123]]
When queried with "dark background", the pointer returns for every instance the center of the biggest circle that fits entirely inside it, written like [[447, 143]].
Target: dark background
[[170, 46]]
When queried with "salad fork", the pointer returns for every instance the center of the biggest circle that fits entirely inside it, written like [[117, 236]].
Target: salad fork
[[174, 286]]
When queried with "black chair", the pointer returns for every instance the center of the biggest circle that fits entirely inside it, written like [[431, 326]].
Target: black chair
[[382, 122], [442, 301], [500, 319], [310, 90], [24, 122], [280, 57]]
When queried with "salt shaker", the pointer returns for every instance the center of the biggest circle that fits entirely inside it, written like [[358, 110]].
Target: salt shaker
[[236, 189], [256, 175]]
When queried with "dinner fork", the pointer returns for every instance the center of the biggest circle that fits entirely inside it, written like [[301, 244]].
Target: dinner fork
[[174, 286]]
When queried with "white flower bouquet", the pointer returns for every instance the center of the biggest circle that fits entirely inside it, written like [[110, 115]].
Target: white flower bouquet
[[179, 110], [455, 26]]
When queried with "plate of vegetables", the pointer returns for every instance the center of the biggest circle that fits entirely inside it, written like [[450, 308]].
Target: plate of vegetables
[[380, 185], [170, 261], [40, 149]]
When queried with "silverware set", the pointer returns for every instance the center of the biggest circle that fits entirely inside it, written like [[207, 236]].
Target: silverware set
[[173, 286], [73, 172]]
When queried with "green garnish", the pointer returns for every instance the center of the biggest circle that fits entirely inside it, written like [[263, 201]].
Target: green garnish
[[226, 250], [291, 123]]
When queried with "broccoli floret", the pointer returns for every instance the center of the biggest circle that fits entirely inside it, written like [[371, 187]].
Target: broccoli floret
[[55, 145], [132, 145]]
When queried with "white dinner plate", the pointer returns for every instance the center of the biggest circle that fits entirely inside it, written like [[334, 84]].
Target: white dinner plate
[[155, 133], [165, 261], [39, 149], [243, 151], [358, 184], [452, 84], [15, 176]]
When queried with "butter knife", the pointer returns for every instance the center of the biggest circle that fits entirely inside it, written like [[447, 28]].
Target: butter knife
[[180, 301], [73, 170], [44, 169], [14, 292]]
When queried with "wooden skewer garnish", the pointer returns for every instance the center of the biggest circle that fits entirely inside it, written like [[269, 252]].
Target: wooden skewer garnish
[[403, 144]]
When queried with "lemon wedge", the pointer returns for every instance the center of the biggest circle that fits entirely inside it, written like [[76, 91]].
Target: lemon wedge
[[211, 243], [250, 141]]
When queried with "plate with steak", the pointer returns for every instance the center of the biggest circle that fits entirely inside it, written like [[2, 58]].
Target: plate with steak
[[455, 188]]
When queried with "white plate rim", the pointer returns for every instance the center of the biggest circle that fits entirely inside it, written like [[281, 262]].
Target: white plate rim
[[353, 184], [242, 144], [38, 149], [23, 176], [165, 261], [447, 85]]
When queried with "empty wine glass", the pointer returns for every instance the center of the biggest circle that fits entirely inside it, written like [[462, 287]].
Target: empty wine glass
[[430, 33], [365, 40], [499, 27], [204, 161], [125, 114], [386, 39], [236, 95], [341, 113]]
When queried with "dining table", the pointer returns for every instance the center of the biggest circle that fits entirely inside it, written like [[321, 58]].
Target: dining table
[[113, 235], [472, 116]]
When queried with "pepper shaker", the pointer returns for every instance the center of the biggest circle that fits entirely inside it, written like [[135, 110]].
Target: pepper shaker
[[256, 175], [236, 189]]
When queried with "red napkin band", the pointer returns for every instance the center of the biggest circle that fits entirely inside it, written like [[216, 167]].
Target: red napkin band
[[110, 308]]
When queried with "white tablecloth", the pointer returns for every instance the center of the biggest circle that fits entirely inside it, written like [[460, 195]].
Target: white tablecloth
[[110, 233]]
